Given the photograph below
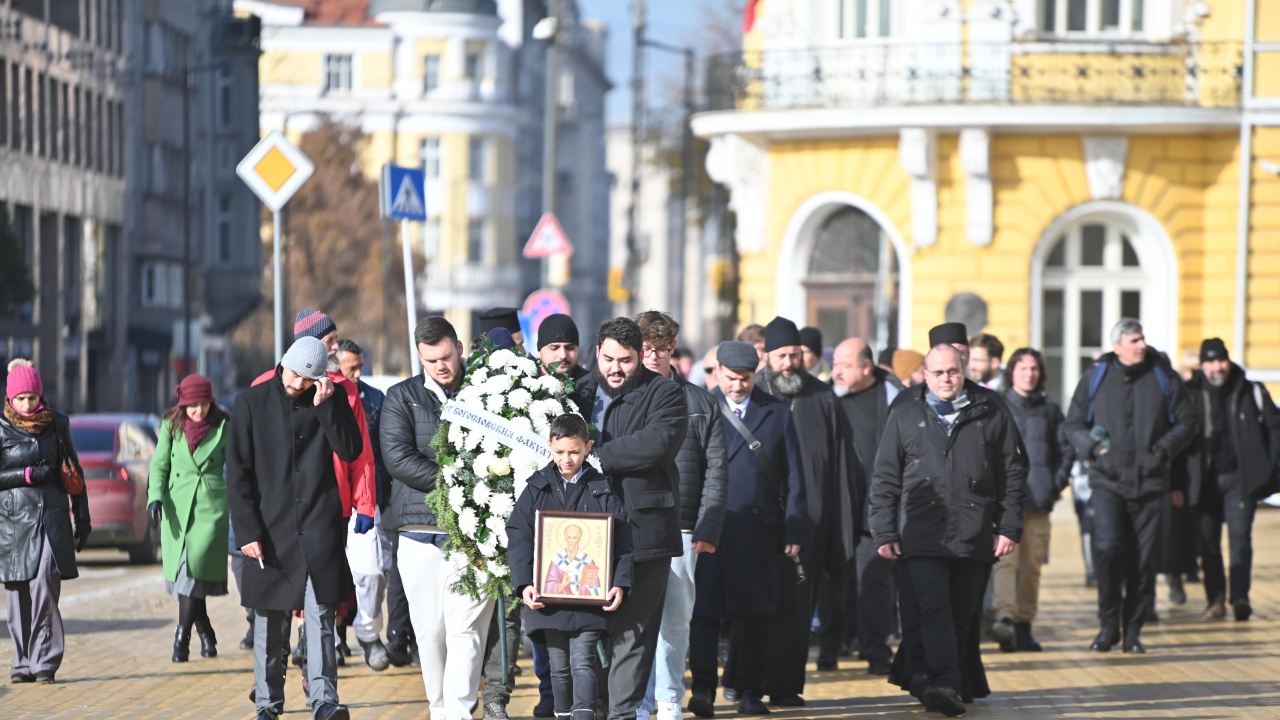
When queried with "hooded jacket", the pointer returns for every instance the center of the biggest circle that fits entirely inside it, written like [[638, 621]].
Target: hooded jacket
[[948, 494], [1039, 421], [1253, 435]]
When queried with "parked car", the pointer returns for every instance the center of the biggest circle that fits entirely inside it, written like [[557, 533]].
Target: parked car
[[115, 451]]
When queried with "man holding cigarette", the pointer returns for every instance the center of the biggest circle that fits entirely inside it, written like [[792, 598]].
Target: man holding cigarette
[[287, 511]]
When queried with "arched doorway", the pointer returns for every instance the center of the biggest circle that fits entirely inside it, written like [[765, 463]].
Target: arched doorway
[[1093, 267], [842, 268]]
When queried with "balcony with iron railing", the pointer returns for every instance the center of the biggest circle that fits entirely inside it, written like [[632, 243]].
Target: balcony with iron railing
[[888, 74]]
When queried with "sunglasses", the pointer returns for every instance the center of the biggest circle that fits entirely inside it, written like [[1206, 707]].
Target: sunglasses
[[708, 369]]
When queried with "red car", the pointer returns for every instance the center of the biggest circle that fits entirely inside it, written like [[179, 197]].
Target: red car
[[115, 452]]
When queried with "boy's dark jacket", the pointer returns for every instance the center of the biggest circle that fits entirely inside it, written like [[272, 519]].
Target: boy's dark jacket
[[593, 493]]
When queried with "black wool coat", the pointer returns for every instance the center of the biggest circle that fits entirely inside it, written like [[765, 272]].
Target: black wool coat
[[1131, 406], [594, 493], [764, 512], [834, 481], [283, 493], [1253, 436], [948, 495], [641, 435]]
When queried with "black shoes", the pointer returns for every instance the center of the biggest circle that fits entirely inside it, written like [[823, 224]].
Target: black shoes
[[299, 654], [398, 653], [1177, 591], [1104, 642], [730, 694], [20, 678], [1023, 639], [546, 707], [44, 677], [1242, 609], [1134, 647], [1002, 631], [208, 639], [828, 666], [702, 703], [750, 703], [943, 700], [879, 666], [327, 711], [788, 701], [267, 714], [181, 645], [375, 655], [916, 686]]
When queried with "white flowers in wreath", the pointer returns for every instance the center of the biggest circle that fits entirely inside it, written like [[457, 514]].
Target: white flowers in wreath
[[480, 477]]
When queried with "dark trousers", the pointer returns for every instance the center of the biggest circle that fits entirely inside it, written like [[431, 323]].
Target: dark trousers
[[541, 667], [875, 602], [1223, 501], [398, 623], [948, 593], [495, 690], [574, 672], [237, 571], [837, 613], [1126, 534], [790, 629], [748, 640], [633, 637]]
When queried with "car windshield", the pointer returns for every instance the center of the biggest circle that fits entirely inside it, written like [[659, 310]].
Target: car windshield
[[94, 439]]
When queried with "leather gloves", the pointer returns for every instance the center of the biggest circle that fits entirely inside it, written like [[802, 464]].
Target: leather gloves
[[154, 513]]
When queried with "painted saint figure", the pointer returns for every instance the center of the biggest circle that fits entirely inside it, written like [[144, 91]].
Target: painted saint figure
[[573, 572]]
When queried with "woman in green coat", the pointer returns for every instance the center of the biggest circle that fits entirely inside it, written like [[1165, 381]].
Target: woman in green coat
[[187, 502]]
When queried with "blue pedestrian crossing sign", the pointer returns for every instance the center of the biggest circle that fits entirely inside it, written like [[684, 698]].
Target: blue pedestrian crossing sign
[[403, 192]]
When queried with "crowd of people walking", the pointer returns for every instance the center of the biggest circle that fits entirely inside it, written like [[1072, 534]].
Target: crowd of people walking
[[795, 498]]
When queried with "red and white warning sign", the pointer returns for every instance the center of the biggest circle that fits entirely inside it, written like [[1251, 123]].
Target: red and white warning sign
[[548, 239]]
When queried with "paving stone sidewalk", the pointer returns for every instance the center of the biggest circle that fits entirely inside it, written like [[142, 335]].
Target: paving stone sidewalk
[[120, 633]]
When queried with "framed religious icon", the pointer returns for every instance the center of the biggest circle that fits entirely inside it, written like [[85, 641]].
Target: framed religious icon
[[573, 557]]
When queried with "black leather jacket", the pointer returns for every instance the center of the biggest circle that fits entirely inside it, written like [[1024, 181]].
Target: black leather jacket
[[30, 514]]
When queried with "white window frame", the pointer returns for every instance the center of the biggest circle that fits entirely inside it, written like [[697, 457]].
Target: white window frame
[[843, 21], [328, 73], [478, 158], [1155, 278], [475, 68], [430, 157], [428, 86], [1093, 18]]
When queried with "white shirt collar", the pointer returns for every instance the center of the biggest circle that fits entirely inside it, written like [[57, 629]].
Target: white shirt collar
[[576, 478], [738, 406]]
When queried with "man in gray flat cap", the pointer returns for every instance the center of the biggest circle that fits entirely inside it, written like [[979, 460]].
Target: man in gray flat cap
[[765, 514], [287, 514]]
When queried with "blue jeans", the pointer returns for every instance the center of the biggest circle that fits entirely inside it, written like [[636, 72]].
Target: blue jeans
[[666, 682]]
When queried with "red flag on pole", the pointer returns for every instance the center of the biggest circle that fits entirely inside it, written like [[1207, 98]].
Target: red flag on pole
[[749, 15]]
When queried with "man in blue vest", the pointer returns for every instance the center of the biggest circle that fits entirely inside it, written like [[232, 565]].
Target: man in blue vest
[[1129, 418]]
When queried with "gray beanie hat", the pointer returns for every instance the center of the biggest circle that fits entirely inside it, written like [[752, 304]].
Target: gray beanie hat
[[308, 357]]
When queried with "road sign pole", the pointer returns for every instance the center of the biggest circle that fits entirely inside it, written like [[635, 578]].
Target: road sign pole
[[410, 296], [277, 301]]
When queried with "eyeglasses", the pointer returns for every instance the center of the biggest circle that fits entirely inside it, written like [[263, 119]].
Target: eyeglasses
[[657, 352], [708, 369], [940, 374]]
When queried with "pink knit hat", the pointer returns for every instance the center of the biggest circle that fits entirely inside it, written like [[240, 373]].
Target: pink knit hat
[[23, 378]]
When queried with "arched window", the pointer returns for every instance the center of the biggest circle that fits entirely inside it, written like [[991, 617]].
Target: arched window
[[852, 280], [1091, 277]]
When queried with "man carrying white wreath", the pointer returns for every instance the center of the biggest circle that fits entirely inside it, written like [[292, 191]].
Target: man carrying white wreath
[[451, 627]]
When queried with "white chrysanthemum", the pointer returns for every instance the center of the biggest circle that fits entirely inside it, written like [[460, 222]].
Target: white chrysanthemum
[[519, 399], [456, 434], [525, 366], [457, 497], [469, 395], [450, 473], [481, 494], [531, 383], [482, 462], [521, 424], [495, 524], [501, 504], [497, 569], [468, 521], [490, 444], [494, 403], [474, 438], [501, 358], [479, 376], [551, 384], [502, 537], [521, 483], [489, 548]]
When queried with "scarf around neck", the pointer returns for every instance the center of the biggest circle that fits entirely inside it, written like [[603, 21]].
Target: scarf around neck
[[33, 424], [195, 431]]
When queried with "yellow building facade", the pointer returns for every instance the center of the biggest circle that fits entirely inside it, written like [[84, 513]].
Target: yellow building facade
[[429, 89], [1036, 169]]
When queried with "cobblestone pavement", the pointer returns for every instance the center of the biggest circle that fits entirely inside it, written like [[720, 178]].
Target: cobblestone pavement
[[120, 629]]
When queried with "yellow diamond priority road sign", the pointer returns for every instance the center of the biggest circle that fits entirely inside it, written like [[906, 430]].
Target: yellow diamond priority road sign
[[274, 169]]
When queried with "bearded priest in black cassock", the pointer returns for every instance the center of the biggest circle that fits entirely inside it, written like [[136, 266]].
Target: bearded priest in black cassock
[[837, 493]]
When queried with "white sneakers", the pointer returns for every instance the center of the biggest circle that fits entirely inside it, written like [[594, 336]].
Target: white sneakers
[[669, 711], [642, 714]]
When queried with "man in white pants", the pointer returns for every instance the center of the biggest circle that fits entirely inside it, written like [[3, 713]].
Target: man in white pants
[[451, 629]]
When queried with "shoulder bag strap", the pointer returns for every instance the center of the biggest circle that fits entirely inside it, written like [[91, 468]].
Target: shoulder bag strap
[[756, 447]]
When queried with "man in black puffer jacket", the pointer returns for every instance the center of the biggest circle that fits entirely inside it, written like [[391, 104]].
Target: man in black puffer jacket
[[1129, 418], [946, 500], [1015, 579], [704, 481]]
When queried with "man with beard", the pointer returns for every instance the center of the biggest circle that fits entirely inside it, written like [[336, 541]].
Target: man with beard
[[286, 507], [451, 628], [985, 355], [641, 418], [1129, 418], [836, 491], [1230, 467], [946, 501], [704, 478], [865, 396], [357, 480], [765, 520]]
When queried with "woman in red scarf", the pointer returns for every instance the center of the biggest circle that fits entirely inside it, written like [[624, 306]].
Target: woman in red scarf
[[36, 541], [187, 502]]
